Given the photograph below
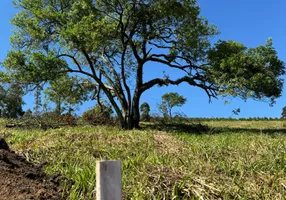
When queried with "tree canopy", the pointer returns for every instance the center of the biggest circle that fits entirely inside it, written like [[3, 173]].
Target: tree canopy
[[112, 41], [145, 109], [67, 92], [11, 100], [283, 114], [169, 101]]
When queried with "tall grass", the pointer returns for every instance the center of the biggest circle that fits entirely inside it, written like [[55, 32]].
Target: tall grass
[[236, 162]]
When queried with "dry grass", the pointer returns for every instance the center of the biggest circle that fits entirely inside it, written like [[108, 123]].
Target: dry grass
[[245, 124], [167, 144]]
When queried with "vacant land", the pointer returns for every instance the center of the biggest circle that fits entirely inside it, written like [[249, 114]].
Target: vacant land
[[226, 160]]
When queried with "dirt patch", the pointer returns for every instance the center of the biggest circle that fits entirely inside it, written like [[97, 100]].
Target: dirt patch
[[21, 180]]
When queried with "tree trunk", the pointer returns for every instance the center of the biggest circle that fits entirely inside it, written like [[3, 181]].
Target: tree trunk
[[58, 107], [122, 120], [135, 110], [136, 115], [132, 119], [130, 122]]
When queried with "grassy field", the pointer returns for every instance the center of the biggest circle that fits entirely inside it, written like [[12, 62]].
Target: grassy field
[[226, 160]]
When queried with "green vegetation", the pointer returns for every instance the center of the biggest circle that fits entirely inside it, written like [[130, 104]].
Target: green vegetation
[[111, 42], [169, 101], [145, 112], [101, 114], [227, 159], [283, 114], [11, 100], [67, 92], [79, 50]]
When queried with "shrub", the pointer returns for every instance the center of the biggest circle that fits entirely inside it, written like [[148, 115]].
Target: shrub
[[68, 119], [99, 115], [145, 109]]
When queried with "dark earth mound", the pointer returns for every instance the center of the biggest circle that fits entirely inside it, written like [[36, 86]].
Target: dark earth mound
[[22, 180]]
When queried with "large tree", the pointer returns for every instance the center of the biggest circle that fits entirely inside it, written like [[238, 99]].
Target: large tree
[[111, 41]]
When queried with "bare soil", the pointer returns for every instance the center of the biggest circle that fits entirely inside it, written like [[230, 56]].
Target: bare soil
[[21, 180]]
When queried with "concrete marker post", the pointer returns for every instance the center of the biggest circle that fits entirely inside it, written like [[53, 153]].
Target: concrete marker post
[[108, 180]]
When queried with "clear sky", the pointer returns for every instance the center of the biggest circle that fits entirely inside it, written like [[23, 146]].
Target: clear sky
[[249, 22]]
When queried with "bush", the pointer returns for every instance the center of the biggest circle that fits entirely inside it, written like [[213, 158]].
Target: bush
[[68, 119], [99, 115], [145, 117], [145, 109], [28, 114]]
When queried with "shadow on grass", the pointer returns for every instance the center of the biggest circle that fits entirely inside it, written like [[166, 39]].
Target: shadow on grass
[[198, 128], [179, 127]]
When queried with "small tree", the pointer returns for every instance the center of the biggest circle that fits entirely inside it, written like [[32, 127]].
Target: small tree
[[145, 109], [169, 101], [283, 114], [28, 114], [67, 92], [11, 100]]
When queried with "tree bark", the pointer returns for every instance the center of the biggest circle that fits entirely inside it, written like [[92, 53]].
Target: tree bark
[[132, 119], [135, 109], [58, 107]]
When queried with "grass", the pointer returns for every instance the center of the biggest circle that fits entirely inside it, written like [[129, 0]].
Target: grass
[[229, 160]]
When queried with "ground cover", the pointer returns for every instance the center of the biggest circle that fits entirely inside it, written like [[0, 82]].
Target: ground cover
[[225, 160]]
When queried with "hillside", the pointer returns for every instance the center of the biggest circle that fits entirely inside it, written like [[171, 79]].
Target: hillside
[[226, 160]]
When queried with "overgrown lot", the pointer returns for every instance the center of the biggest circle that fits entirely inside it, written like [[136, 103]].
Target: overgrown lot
[[226, 160]]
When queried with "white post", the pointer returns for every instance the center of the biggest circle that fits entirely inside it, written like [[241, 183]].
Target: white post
[[108, 180]]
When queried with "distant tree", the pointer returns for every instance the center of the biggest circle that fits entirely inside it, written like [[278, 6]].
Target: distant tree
[[11, 101], [67, 92], [145, 109], [28, 114], [38, 99], [283, 114], [169, 101]]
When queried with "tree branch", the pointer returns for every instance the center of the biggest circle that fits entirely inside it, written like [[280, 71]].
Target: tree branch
[[209, 89], [73, 58]]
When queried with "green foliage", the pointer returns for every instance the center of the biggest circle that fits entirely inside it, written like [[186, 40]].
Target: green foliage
[[66, 92], [99, 115], [112, 41], [243, 72], [11, 100], [28, 114], [54, 120], [145, 109], [169, 101], [38, 99], [240, 162], [30, 67], [283, 114]]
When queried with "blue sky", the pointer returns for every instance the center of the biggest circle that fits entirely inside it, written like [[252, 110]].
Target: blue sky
[[249, 22]]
